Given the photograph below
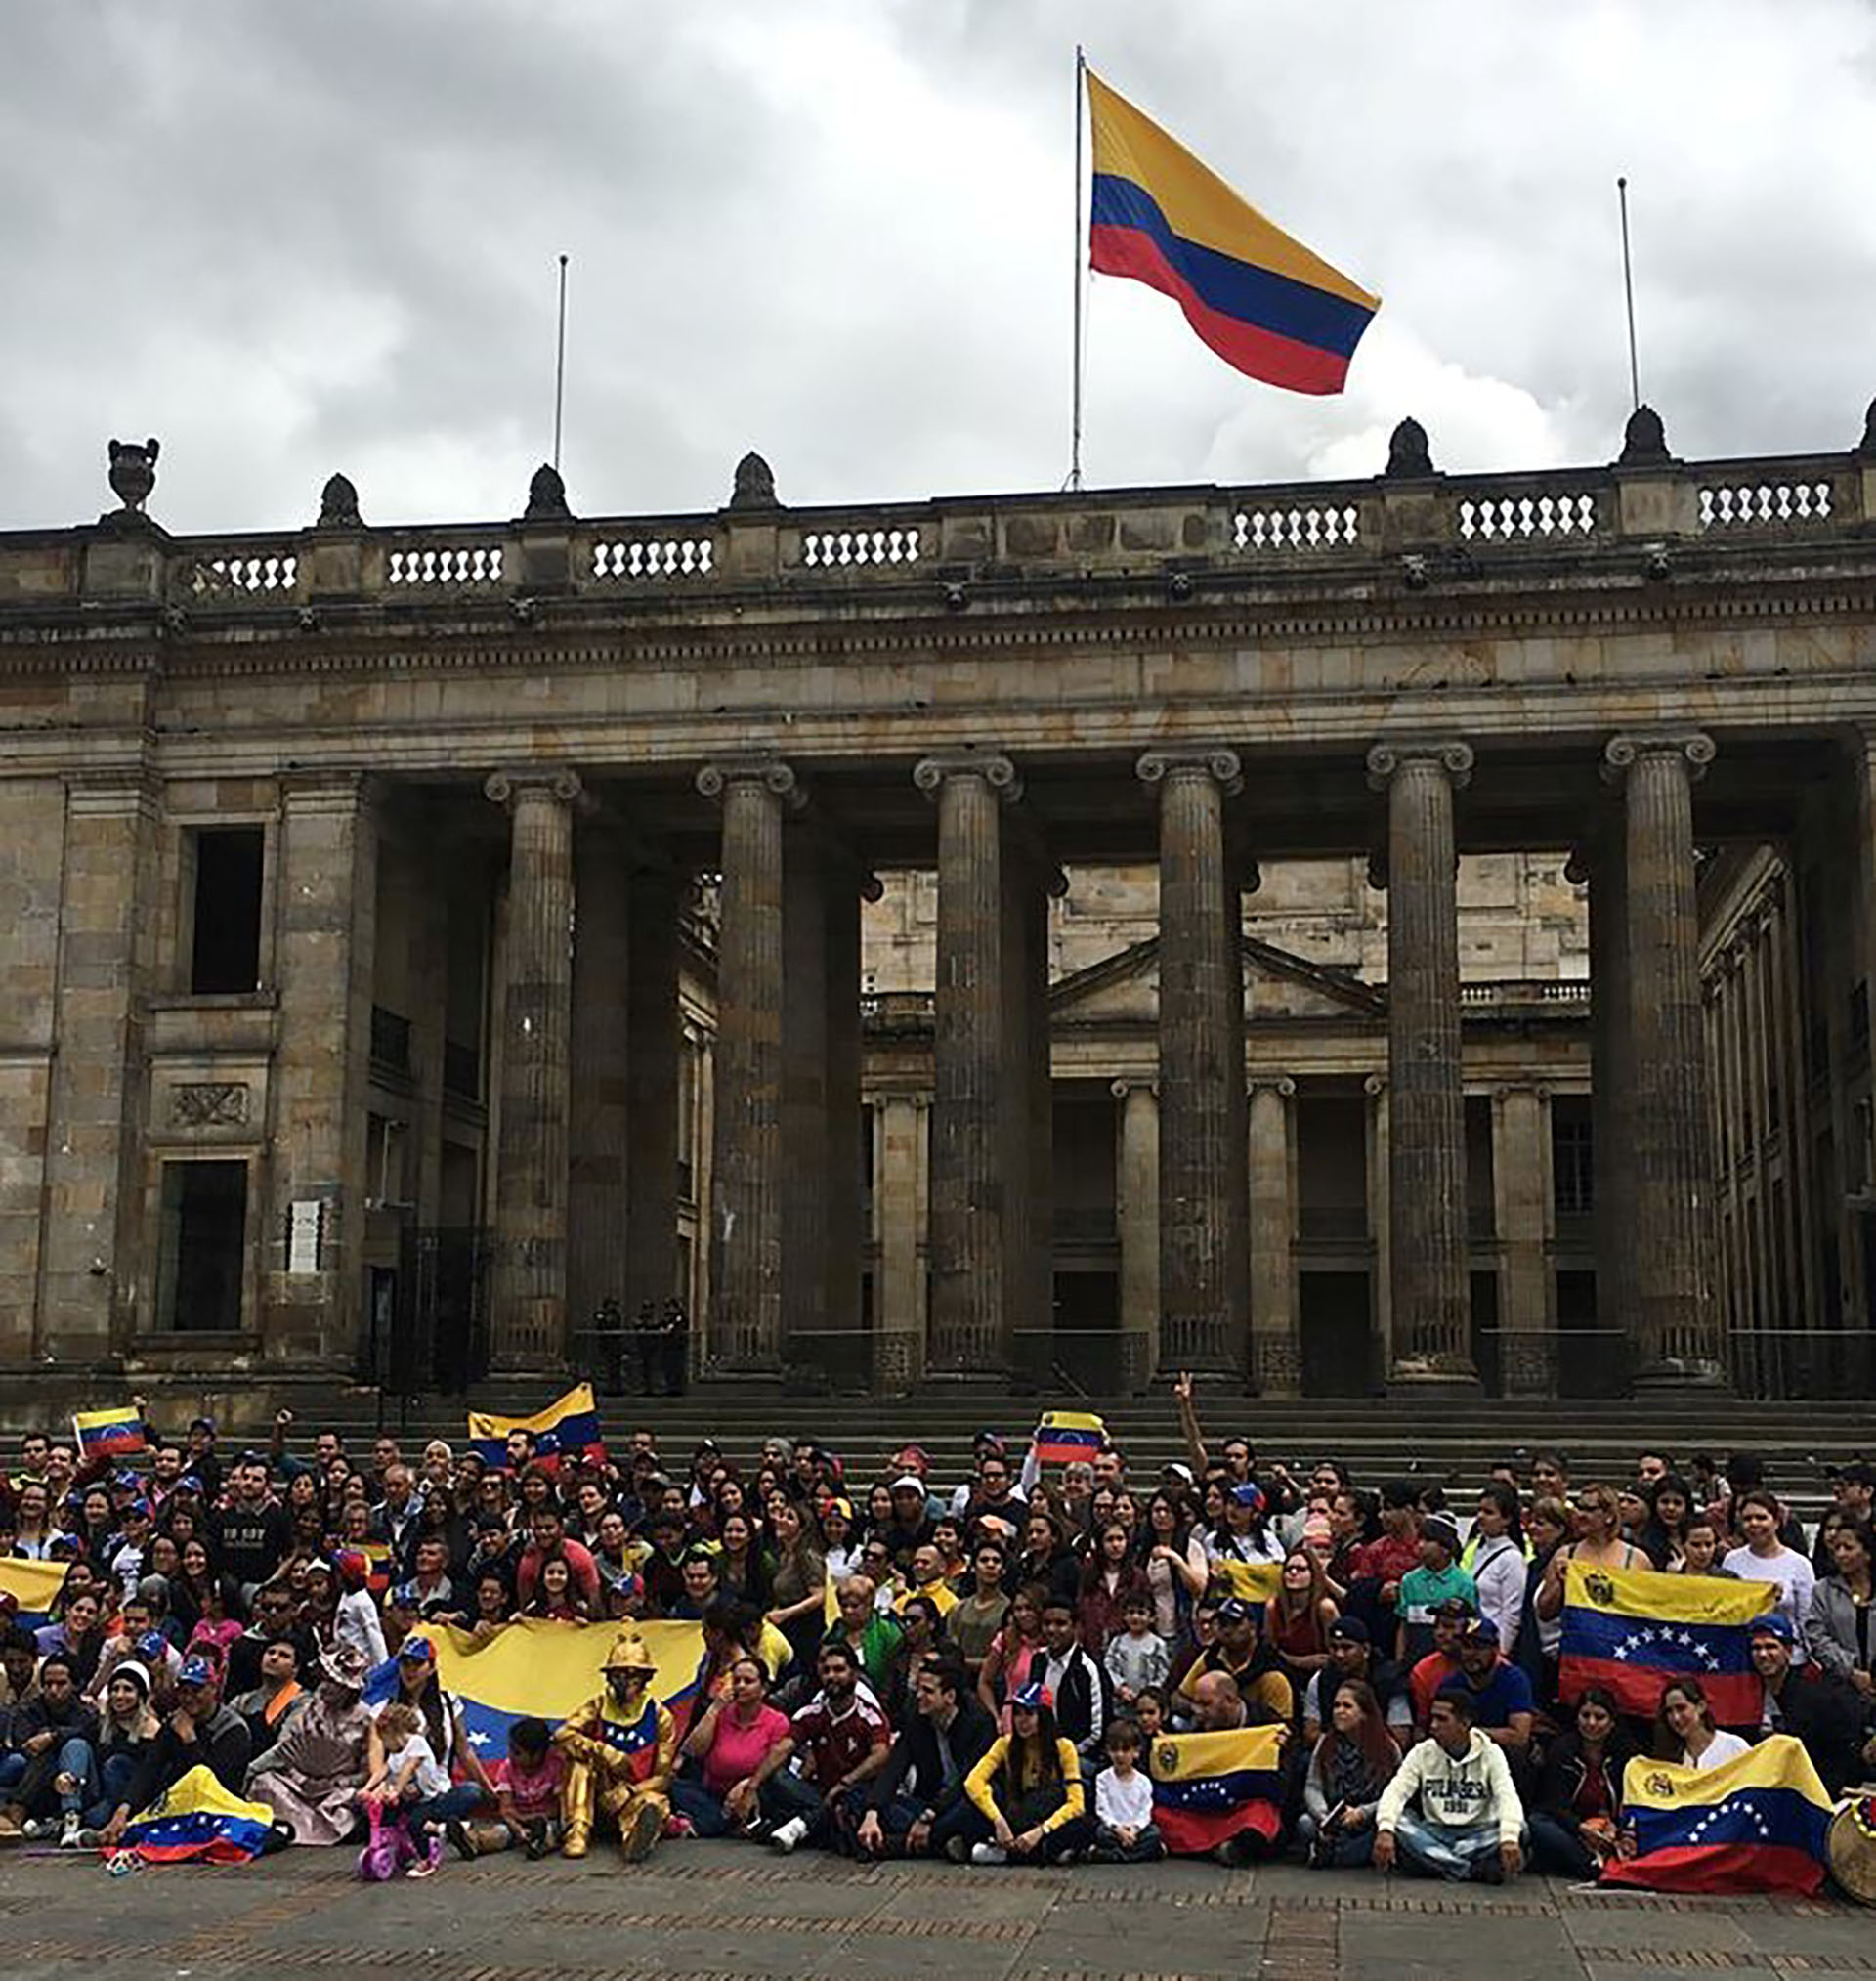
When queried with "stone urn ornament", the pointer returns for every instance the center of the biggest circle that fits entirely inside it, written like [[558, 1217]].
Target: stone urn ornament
[[133, 473]]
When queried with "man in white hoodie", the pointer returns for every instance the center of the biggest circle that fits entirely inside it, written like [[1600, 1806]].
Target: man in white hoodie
[[1468, 1822]]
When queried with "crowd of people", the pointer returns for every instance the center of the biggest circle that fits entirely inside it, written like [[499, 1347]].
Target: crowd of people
[[892, 1664]]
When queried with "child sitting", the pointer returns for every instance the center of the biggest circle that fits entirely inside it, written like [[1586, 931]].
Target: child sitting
[[1136, 1656], [528, 1787], [410, 1774], [1124, 1830]]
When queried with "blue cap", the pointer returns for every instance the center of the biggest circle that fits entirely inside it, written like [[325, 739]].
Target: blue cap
[[416, 1651], [1248, 1494], [1031, 1697], [1773, 1624], [195, 1670], [405, 1596], [152, 1645], [1481, 1630], [1234, 1609]]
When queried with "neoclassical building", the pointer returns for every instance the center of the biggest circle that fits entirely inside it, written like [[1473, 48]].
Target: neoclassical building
[[950, 940]]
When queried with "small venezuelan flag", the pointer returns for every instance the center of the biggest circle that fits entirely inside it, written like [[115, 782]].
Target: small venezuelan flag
[[115, 1431], [568, 1428], [1259, 299], [1634, 1630], [1209, 1787], [1064, 1435], [1758, 1823]]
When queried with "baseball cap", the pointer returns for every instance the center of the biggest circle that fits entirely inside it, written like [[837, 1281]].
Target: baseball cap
[[1234, 1611], [195, 1670], [994, 1439], [1481, 1630], [1453, 1605], [152, 1645], [1772, 1624], [416, 1651], [909, 1482], [1350, 1630], [201, 1424], [1443, 1532], [1174, 1469], [405, 1596], [912, 1454], [1248, 1494], [1031, 1697]]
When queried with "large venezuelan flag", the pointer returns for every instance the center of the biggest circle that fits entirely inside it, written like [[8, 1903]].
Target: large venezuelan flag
[[34, 1585], [566, 1428], [1633, 1630], [1209, 1787], [1760, 1823], [198, 1820], [1261, 300], [544, 1670], [1064, 1435]]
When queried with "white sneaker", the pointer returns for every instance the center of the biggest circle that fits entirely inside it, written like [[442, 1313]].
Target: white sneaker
[[784, 1837], [36, 1829], [989, 1853], [69, 1835]]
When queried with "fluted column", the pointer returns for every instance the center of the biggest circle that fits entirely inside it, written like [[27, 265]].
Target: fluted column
[[899, 1216], [1276, 1343], [1677, 1331], [1380, 1179], [1521, 1179], [1137, 1202], [532, 1151], [841, 1080], [1611, 1076], [969, 1329], [806, 1178], [746, 1186], [1203, 1183], [654, 1045], [601, 1100], [1427, 1200]]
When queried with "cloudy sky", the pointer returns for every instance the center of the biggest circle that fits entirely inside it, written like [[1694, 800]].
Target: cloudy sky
[[293, 238]]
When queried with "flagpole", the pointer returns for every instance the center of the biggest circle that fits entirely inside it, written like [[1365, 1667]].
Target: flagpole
[[1075, 431], [1628, 290], [560, 362]]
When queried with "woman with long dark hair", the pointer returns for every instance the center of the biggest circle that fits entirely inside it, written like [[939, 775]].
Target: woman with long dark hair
[[1685, 1728], [1176, 1570], [1023, 1801], [1110, 1578], [1664, 1533], [1353, 1761], [1573, 1816]]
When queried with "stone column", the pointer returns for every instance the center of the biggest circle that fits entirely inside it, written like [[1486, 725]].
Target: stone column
[[841, 1077], [92, 1130], [1678, 1333], [1039, 1078], [1204, 1187], [971, 1184], [1276, 1344], [1427, 1200], [600, 1099], [1611, 1078], [747, 1179], [1799, 1237], [899, 1297], [1380, 1175], [804, 1175], [654, 1045], [1521, 1182], [532, 1148], [1136, 1201]]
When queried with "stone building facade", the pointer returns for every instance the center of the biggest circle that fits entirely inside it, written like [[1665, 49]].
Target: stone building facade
[[417, 936]]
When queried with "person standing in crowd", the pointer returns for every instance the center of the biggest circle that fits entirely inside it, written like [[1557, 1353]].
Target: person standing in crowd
[[1838, 1629], [1764, 1556], [1495, 1560]]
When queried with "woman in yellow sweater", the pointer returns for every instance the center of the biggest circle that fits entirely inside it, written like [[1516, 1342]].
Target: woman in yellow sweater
[[1023, 1802]]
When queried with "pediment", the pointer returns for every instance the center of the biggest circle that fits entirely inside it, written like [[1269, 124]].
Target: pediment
[[1124, 989]]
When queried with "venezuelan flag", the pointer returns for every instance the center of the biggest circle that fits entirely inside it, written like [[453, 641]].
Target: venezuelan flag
[[1259, 299], [1634, 1630], [1209, 1787], [566, 1428], [108, 1433], [1249, 1582], [198, 1819], [1064, 1435], [34, 1585], [545, 1670], [1760, 1823]]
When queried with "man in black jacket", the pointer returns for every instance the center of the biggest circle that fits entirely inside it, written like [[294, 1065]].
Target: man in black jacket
[[202, 1733], [948, 1734], [1826, 1713], [1077, 1684]]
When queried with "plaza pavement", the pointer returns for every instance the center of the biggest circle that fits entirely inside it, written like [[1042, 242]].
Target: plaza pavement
[[733, 1913]]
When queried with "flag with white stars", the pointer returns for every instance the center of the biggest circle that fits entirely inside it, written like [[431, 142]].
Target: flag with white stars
[[1758, 1823], [201, 1820], [1209, 1787], [1633, 1630]]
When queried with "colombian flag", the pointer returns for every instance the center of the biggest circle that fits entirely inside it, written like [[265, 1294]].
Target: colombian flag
[[1209, 1787], [198, 1819], [1263, 301], [1634, 1630], [1760, 1823], [34, 1585], [1064, 1435], [109, 1434], [545, 1670], [564, 1429]]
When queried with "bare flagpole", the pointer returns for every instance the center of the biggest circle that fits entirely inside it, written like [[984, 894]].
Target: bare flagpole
[[560, 362], [1075, 432], [1628, 290]]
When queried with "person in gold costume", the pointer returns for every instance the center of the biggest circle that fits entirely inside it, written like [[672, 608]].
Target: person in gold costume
[[621, 1752]]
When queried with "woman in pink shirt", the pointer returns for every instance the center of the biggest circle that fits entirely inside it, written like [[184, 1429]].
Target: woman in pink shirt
[[737, 1745]]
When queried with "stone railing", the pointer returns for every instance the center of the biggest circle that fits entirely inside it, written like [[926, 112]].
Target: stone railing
[[1421, 525]]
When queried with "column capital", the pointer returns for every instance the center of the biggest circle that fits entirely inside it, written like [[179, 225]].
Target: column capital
[[505, 787], [1375, 1086], [1274, 1082], [1121, 1088], [1507, 1089], [1447, 754], [932, 773], [1693, 748], [769, 772], [1211, 761]]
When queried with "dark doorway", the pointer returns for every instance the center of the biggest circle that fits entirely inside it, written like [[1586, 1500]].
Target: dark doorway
[[1337, 1335], [1486, 1357], [204, 1232]]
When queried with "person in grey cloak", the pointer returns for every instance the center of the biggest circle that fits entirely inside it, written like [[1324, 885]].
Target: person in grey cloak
[[312, 1775]]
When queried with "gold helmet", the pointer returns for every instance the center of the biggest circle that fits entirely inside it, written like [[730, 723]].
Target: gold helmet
[[628, 1654]]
